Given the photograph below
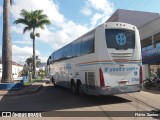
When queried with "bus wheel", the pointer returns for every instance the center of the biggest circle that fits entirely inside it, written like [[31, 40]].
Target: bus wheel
[[80, 89], [73, 87]]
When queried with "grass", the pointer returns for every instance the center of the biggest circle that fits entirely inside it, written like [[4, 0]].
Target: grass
[[33, 80], [28, 83]]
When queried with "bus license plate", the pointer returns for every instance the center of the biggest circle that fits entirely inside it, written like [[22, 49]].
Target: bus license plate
[[121, 83]]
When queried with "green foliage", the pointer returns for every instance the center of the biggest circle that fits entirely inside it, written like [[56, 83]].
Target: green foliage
[[42, 73], [33, 80], [23, 73], [29, 61], [32, 20], [28, 83]]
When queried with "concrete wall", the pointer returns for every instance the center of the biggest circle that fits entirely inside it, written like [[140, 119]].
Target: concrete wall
[[150, 29], [145, 71], [15, 70], [148, 24], [138, 18]]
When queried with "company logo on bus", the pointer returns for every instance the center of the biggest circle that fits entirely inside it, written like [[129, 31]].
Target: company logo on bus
[[120, 39]]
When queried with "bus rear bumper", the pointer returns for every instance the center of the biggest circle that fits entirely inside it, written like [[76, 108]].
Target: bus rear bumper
[[115, 90]]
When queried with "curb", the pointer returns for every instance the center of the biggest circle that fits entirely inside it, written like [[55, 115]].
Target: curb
[[29, 91]]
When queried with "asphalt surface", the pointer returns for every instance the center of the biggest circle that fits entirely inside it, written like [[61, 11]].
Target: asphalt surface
[[51, 99]]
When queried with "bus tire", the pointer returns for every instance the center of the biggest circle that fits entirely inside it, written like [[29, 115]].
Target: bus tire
[[80, 88], [73, 87]]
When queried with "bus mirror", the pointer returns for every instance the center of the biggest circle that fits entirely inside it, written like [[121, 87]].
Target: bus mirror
[[49, 57]]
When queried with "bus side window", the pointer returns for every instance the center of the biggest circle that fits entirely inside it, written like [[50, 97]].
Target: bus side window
[[57, 55], [68, 51], [76, 46], [87, 44], [52, 58]]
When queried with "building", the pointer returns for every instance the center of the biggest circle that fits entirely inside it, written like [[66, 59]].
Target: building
[[16, 68], [43, 66], [148, 24]]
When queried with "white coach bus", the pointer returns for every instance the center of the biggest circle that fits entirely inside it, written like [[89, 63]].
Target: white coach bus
[[104, 61]]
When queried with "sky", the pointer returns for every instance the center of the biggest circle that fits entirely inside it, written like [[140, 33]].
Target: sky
[[69, 20]]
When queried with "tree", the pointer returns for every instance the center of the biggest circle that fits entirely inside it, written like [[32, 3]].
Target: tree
[[6, 46], [32, 20], [29, 62]]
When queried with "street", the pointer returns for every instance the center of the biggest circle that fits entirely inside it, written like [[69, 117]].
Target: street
[[51, 99]]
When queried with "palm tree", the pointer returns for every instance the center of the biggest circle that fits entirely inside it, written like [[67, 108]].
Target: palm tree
[[32, 20], [7, 45], [29, 61]]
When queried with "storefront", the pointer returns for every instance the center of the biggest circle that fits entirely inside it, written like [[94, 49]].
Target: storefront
[[150, 43]]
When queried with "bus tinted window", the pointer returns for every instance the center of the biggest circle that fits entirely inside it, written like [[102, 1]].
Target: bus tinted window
[[87, 45], [56, 56], [52, 57], [120, 39], [66, 52], [76, 47]]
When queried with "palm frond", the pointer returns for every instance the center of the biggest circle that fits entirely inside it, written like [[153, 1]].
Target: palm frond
[[43, 16], [26, 29], [33, 19], [25, 13], [42, 27], [22, 21], [37, 34], [38, 12], [41, 23]]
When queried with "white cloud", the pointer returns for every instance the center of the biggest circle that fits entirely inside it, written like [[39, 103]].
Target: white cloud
[[62, 30], [68, 32], [49, 7], [102, 10], [17, 28], [24, 42], [86, 11], [20, 54], [95, 18], [23, 51], [102, 5], [67, 29], [43, 59]]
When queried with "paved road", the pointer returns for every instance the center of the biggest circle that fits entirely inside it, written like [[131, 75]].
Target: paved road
[[51, 99]]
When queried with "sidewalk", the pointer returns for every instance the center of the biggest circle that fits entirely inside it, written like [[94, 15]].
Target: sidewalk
[[152, 90], [35, 87]]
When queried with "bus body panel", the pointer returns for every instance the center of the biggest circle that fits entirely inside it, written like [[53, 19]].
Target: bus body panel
[[120, 68]]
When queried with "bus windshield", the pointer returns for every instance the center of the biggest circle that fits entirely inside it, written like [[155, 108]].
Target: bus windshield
[[120, 39]]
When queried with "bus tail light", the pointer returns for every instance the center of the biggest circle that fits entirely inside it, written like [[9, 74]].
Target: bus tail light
[[101, 78], [140, 75]]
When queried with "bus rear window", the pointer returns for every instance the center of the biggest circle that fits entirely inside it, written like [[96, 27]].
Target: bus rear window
[[120, 39]]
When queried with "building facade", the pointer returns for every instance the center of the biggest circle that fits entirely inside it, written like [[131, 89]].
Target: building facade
[[16, 68], [148, 24]]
